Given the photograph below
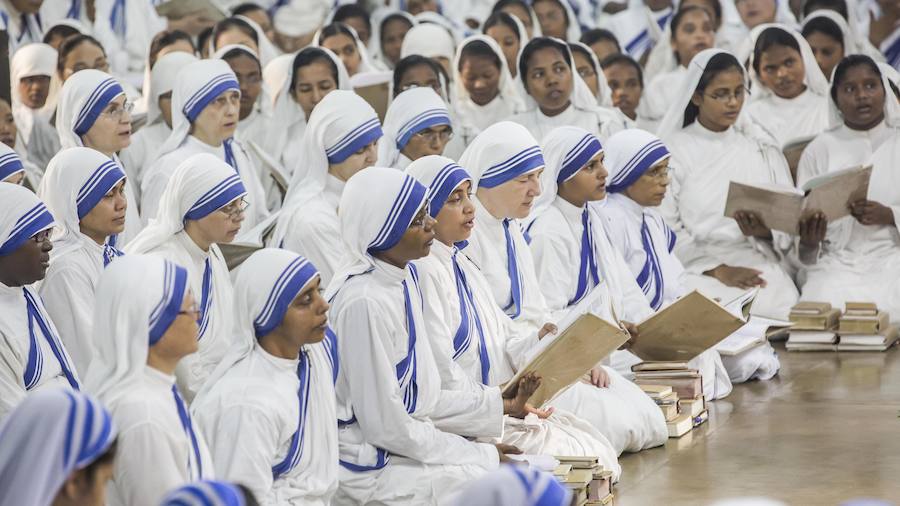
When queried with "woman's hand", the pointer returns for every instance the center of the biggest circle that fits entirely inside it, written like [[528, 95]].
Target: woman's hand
[[752, 225], [737, 277], [869, 212], [813, 229], [503, 450], [548, 328]]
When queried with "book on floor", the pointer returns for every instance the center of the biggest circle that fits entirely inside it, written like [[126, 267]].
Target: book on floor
[[686, 328], [870, 342], [814, 316], [782, 207], [687, 386], [568, 356], [862, 318], [656, 391], [701, 417], [692, 407], [812, 337], [680, 426]]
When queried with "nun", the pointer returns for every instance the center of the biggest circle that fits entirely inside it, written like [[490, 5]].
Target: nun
[[849, 259], [588, 67], [22, 21], [417, 124], [126, 29], [93, 112], [396, 424], [483, 89], [202, 206], [790, 93], [828, 35], [430, 40], [467, 330], [342, 40], [557, 19], [206, 492], [509, 33], [507, 186], [138, 157], [255, 115], [268, 410], [31, 71], [12, 170], [141, 336], [205, 110], [85, 191], [555, 95], [640, 26], [297, 83], [389, 27], [713, 143], [638, 164], [340, 140], [58, 448], [33, 355]]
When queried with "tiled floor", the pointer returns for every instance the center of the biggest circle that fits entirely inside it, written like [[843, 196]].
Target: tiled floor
[[825, 430]]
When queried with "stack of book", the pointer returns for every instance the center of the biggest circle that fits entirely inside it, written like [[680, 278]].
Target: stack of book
[[687, 386], [589, 482], [863, 327], [814, 327], [665, 398]]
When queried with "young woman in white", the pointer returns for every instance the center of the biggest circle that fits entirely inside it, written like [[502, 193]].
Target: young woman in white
[[205, 110], [790, 93], [142, 335], [849, 258], [268, 410], [555, 95], [32, 67], [203, 205], [397, 427], [33, 355], [340, 140], [640, 26], [417, 124], [93, 112], [85, 191], [506, 164], [483, 89], [712, 144], [468, 331], [58, 448]]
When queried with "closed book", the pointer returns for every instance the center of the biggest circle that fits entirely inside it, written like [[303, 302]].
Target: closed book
[[686, 388], [687, 373], [879, 342], [671, 398], [600, 487], [863, 324], [812, 337], [692, 407], [811, 308], [659, 366], [680, 426], [700, 418], [669, 411], [825, 321], [810, 347], [656, 391], [860, 308], [580, 462]]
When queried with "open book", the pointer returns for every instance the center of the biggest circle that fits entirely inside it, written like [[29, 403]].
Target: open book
[[247, 243], [782, 207], [689, 326], [566, 357]]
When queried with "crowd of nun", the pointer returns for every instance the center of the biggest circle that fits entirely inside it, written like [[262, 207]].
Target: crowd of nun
[[533, 154]]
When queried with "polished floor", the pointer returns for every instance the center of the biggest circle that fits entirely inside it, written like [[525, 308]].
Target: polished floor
[[825, 430]]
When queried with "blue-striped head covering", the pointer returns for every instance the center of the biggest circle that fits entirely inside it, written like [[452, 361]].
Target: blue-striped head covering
[[586, 148], [206, 493], [227, 189], [22, 215], [51, 434], [501, 153], [411, 112], [629, 154], [512, 485], [407, 202], [83, 97], [174, 284], [441, 175], [288, 274], [10, 162], [99, 183]]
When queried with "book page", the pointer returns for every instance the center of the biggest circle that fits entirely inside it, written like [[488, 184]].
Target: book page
[[832, 193], [685, 329], [572, 353], [779, 209]]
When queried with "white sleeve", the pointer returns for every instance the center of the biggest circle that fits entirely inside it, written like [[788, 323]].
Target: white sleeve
[[12, 386], [317, 243], [686, 248], [378, 403], [243, 442], [147, 466], [152, 188], [549, 252], [68, 297]]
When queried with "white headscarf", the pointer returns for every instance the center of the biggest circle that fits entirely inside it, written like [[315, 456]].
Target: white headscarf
[[674, 118], [890, 73], [206, 493], [850, 45], [377, 206], [379, 17], [10, 162], [50, 435], [366, 63], [509, 91], [855, 41], [76, 180], [128, 321], [267, 50], [201, 184], [429, 40], [512, 485], [581, 97], [82, 99], [162, 80], [604, 93], [566, 151], [262, 109], [411, 112], [286, 112], [891, 106], [295, 20], [814, 79], [31, 60], [341, 124], [503, 151], [196, 85]]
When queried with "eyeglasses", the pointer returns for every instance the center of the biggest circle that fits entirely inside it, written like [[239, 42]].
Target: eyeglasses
[[42, 236], [658, 173], [115, 112], [724, 96], [431, 136], [235, 209]]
